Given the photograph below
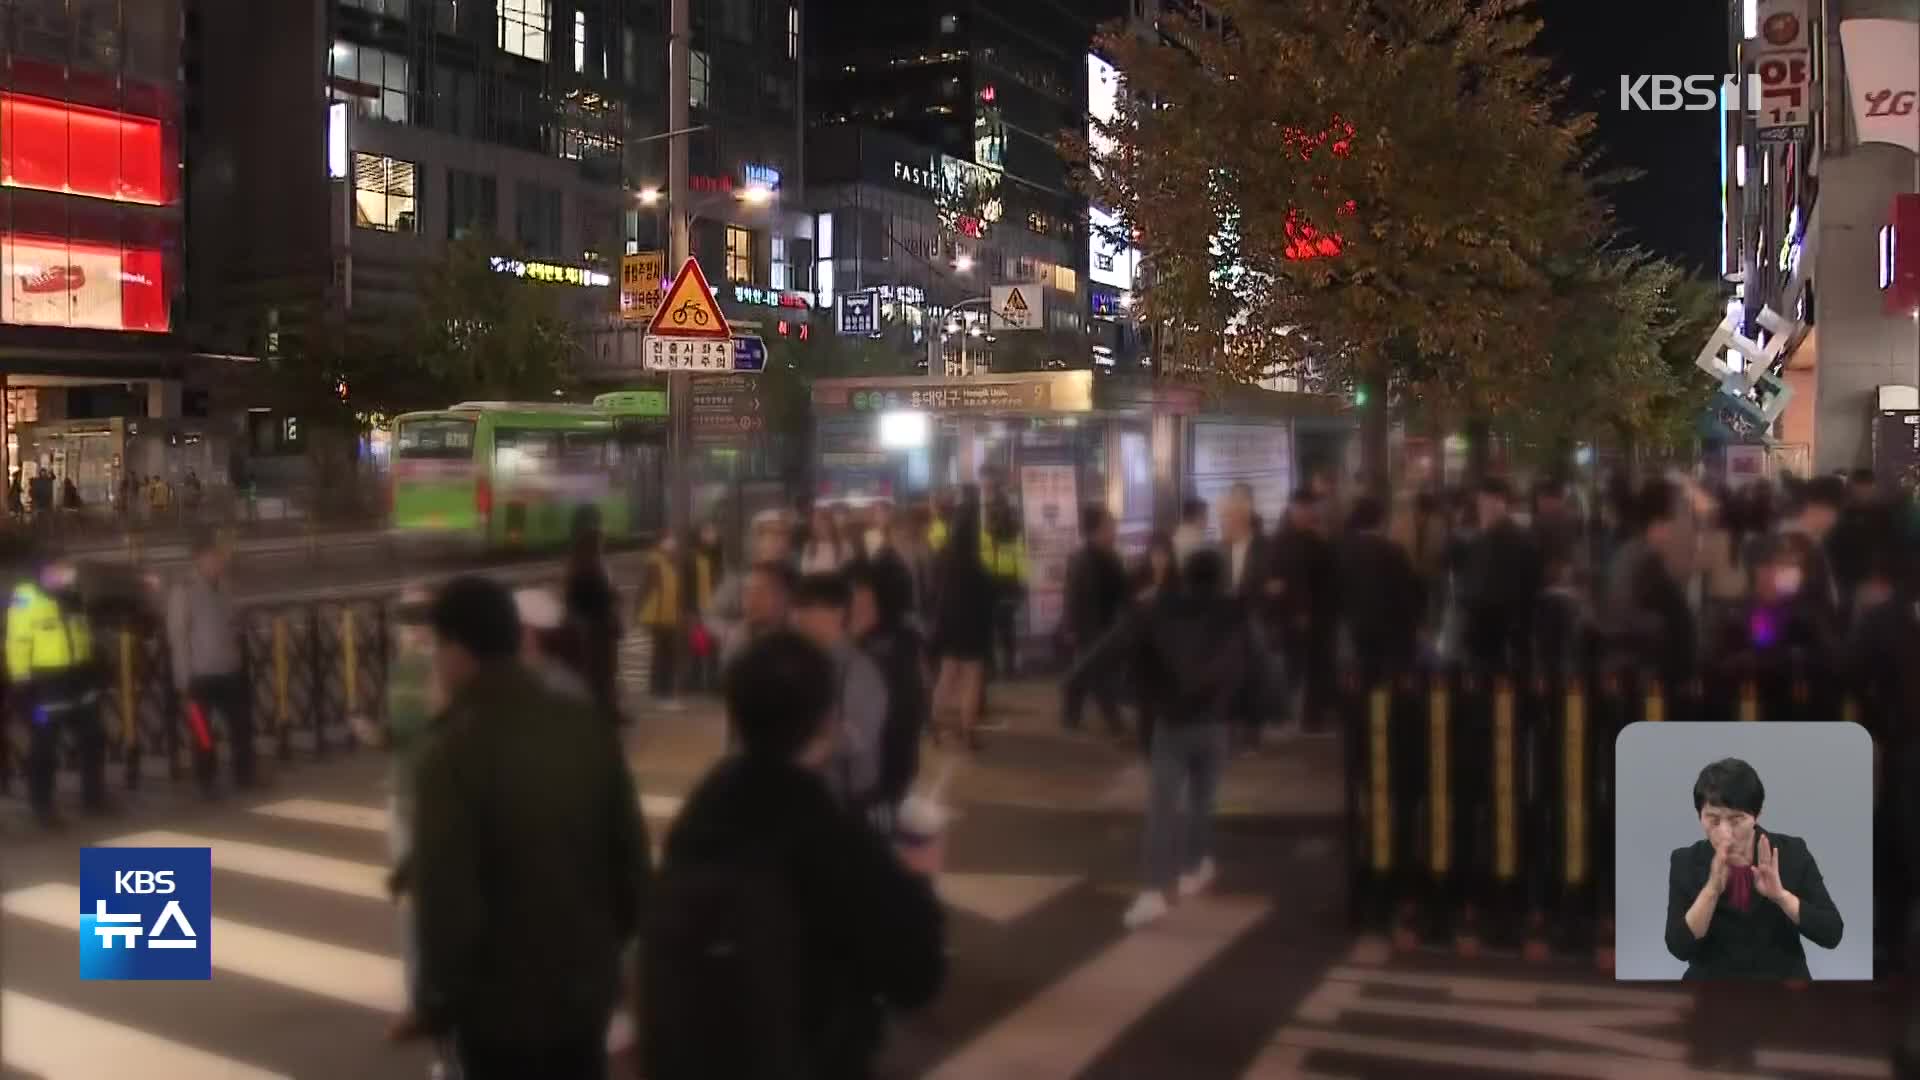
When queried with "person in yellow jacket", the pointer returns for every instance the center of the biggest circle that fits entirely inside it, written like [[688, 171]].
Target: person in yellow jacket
[[663, 606], [54, 682], [708, 565]]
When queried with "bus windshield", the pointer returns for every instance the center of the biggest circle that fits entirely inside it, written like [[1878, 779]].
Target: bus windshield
[[443, 439]]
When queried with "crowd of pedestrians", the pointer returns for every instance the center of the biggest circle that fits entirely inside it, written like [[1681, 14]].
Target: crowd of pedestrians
[[792, 911]]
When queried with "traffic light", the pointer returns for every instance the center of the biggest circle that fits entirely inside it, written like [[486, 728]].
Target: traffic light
[[1359, 397]]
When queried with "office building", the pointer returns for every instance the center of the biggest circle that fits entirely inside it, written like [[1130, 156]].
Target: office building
[[935, 155], [92, 243], [1821, 174]]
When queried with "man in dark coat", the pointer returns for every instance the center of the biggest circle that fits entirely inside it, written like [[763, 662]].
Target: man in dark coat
[[1502, 585], [1307, 607], [1096, 597], [851, 927], [1381, 598], [529, 864]]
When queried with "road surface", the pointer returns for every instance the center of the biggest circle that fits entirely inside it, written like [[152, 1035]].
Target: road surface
[[1259, 981]]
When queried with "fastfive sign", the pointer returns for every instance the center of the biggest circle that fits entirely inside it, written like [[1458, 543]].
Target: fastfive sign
[[146, 913]]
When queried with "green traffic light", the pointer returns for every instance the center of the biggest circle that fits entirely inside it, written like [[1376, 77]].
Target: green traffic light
[[1360, 397]]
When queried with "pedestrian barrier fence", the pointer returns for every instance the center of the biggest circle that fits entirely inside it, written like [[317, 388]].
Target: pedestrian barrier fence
[[1481, 810], [315, 667]]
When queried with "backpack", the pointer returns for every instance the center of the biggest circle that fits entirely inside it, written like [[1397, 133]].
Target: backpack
[[720, 975]]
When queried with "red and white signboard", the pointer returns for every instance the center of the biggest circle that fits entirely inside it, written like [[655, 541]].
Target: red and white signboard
[[1883, 79], [51, 282], [1783, 60]]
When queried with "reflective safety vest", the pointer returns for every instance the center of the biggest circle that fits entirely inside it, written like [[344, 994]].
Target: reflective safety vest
[[1007, 561], [44, 639]]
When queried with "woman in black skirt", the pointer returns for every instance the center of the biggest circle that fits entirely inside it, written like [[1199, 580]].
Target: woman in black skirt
[[962, 627]]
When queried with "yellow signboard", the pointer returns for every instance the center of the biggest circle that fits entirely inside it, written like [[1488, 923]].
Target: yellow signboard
[[641, 275]]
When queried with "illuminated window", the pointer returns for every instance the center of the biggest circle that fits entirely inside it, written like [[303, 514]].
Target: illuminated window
[[523, 28], [580, 42], [793, 33], [739, 254], [697, 73], [54, 146], [777, 250], [373, 81], [385, 197]]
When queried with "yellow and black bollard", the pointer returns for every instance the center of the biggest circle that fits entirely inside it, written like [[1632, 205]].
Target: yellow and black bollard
[[1573, 811], [1380, 853], [282, 700], [129, 711]]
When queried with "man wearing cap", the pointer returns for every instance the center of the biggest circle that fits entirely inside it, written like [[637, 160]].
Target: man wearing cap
[[209, 662]]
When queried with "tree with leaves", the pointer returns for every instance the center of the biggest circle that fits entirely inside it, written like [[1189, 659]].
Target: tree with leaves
[[1367, 192]]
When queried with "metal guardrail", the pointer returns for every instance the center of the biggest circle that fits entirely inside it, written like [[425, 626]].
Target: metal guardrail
[[316, 660], [1481, 810]]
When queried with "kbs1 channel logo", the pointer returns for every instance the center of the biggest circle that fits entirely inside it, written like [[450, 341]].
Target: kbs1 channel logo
[[146, 913]]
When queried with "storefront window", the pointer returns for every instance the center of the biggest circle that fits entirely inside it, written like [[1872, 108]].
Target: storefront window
[[384, 194]]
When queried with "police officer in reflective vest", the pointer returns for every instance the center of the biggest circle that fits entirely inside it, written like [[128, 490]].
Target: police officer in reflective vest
[[55, 684]]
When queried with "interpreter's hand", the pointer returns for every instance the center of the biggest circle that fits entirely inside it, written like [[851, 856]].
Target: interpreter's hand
[[1717, 874], [924, 858], [1766, 871]]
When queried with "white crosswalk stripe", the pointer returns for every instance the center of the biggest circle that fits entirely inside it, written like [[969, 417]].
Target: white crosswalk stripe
[[315, 965], [56, 1042], [349, 976]]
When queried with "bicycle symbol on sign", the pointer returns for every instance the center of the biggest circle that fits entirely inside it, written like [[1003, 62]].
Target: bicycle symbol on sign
[[689, 309]]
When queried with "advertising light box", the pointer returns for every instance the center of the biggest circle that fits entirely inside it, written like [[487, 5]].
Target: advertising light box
[[55, 283]]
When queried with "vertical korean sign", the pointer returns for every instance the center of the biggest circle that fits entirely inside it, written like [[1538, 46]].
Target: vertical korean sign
[[640, 278], [1783, 61]]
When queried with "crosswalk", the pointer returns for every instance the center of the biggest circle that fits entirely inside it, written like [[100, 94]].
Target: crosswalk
[[307, 972]]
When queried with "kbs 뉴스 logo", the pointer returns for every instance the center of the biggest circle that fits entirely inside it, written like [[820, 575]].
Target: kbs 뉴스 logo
[[146, 913]]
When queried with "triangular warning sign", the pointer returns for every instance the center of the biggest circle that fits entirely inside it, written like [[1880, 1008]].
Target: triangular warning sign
[[1016, 302], [688, 309]]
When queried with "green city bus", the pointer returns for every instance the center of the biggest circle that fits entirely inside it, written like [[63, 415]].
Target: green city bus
[[509, 475]]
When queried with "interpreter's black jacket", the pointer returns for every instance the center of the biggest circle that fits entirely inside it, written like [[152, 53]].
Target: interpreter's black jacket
[[1761, 942]]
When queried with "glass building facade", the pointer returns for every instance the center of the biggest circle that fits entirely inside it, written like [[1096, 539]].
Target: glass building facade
[[90, 164]]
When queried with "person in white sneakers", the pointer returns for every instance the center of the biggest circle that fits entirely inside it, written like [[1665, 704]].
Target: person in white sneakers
[[1194, 660]]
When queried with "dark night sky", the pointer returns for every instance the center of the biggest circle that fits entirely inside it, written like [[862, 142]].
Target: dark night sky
[[1674, 208]]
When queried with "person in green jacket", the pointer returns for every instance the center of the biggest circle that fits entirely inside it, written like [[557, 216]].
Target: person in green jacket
[[529, 866]]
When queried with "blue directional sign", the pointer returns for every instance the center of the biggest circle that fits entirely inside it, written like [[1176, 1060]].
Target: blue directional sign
[[749, 353]]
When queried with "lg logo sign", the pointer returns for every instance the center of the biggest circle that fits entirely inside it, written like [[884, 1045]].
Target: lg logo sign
[[1889, 103]]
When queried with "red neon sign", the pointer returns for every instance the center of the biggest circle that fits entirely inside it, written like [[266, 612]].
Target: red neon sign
[[1305, 241], [51, 145]]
